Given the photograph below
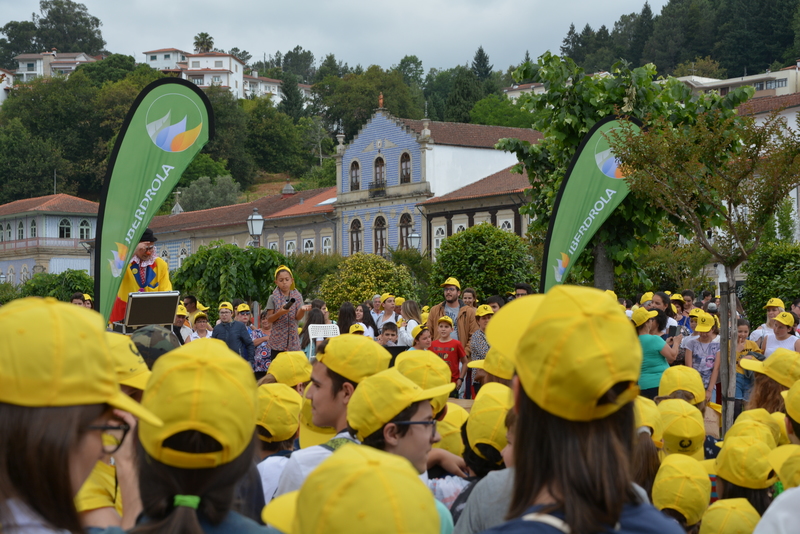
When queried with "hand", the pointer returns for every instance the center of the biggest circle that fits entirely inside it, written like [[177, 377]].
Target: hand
[[127, 451], [708, 395], [455, 465], [306, 307]]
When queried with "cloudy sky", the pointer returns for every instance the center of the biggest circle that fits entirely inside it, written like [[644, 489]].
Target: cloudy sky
[[441, 33]]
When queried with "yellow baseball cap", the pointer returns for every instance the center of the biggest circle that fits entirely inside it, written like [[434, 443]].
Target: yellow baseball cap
[[487, 418], [311, 434], [696, 312], [55, 354], [641, 316], [762, 416], [357, 489], [778, 458], [484, 309], [201, 307], [380, 397], [445, 319], [785, 318], [750, 429], [450, 429], [202, 386], [647, 414], [182, 311], [288, 270], [495, 363], [418, 330], [226, 306], [684, 430], [705, 322], [744, 461], [730, 516], [576, 348], [200, 315], [278, 411], [386, 296], [426, 309], [774, 303], [290, 368], [398, 301], [783, 366], [356, 328], [780, 419], [451, 282], [87, 296], [645, 297], [505, 331], [683, 378], [427, 370], [130, 367], [354, 357], [676, 296], [682, 485], [242, 308], [792, 400]]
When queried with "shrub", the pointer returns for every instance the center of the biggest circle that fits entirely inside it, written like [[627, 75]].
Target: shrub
[[8, 292], [361, 276], [773, 270], [485, 258], [60, 286], [310, 269], [670, 267]]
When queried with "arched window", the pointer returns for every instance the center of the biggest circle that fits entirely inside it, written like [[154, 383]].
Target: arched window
[[8, 232], [10, 277], [438, 237], [380, 236], [21, 231], [291, 247], [327, 245], [506, 225], [32, 233], [405, 168], [2, 234], [273, 245], [182, 256], [460, 228], [405, 231], [85, 230], [355, 176], [308, 246], [165, 255], [380, 172], [24, 275], [65, 229], [355, 236]]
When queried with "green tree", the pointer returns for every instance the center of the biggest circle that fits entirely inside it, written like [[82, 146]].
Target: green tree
[[311, 269], [68, 27], [323, 175], [59, 286], [685, 30], [420, 266], [230, 142], [410, 67], [203, 42], [112, 69], [8, 292], [480, 64], [564, 114], [220, 272], [293, 103], [242, 55], [773, 270], [300, 63], [315, 137], [274, 140], [203, 165], [20, 38], [362, 275], [497, 110], [330, 67], [643, 29], [701, 66], [485, 258], [467, 91], [438, 84], [204, 193]]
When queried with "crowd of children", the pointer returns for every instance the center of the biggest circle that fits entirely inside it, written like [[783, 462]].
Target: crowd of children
[[587, 417]]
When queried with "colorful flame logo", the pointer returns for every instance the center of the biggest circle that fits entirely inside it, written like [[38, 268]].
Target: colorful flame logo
[[172, 137], [561, 267], [118, 263], [608, 164]]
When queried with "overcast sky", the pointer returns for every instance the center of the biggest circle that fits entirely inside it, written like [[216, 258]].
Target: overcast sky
[[441, 33]]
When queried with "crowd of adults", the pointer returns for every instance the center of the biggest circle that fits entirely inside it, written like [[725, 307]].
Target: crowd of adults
[[572, 411]]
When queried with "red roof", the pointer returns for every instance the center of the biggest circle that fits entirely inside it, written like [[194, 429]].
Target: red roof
[[767, 104], [500, 183], [215, 54], [59, 203], [228, 215], [164, 50], [309, 206], [270, 80], [471, 135], [522, 86]]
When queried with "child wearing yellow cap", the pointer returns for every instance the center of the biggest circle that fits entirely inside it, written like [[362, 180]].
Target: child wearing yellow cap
[[422, 338], [478, 345], [682, 490], [284, 309], [412, 319], [451, 351], [744, 380], [574, 403], [57, 396], [773, 376], [773, 307], [277, 424], [782, 336], [703, 353], [731, 516]]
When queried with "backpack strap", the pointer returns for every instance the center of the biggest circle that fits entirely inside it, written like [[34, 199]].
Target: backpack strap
[[549, 520], [336, 443]]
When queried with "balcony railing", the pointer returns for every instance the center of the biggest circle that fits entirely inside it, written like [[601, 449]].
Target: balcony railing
[[377, 189], [39, 242]]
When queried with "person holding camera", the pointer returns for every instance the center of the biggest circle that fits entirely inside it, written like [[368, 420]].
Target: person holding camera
[[284, 308]]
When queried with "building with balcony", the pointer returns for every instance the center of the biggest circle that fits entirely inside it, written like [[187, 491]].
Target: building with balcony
[[44, 234], [6, 83], [47, 64], [165, 59], [214, 68]]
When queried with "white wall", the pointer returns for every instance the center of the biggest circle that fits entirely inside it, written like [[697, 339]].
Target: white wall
[[452, 167]]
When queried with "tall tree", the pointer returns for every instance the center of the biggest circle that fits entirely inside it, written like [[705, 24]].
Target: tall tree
[[683, 31], [68, 27], [274, 140], [203, 42], [437, 86], [300, 63], [20, 38], [330, 67], [570, 43], [410, 67], [643, 29], [480, 65], [112, 69], [293, 103], [230, 122], [242, 55], [467, 91]]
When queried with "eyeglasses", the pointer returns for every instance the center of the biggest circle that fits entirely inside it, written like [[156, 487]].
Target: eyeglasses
[[432, 424], [244, 313], [113, 436]]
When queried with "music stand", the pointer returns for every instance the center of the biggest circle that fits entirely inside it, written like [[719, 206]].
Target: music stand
[[150, 307]]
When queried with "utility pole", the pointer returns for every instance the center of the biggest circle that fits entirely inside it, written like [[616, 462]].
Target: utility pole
[[54, 181]]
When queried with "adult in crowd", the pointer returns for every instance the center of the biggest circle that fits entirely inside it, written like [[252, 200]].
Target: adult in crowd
[[346, 317], [521, 289], [201, 327], [782, 335], [376, 308], [661, 301], [387, 314], [179, 328], [703, 353], [479, 347], [461, 315], [311, 345], [657, 353], [234, 333], [77, 299], [688, 299], [284, 308], [364, 317], [411, 315], [495, 302], [574, 402], [262, 355], [773, 307], [469, 296], [145, 272], [58, 397], [193, 307]]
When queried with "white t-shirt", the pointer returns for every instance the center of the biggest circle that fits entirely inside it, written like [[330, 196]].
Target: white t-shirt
[[760, 332], [774, 344], [781, 516], [368, 331], [302, 462], [270, 470], [195, 335]]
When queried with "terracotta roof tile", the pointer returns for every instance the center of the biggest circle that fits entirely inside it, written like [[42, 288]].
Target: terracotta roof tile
[[767, 104], [309, 206], [500, 183], [51, 203], [471, 135], [164, 50], [227, 215]]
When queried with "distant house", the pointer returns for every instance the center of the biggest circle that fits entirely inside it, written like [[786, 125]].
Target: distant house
[[44, 234], [6, 83], [165, 59], [307, 226], [48, 64], [517, 89], [214, 68], [768, 84], [256, 86]]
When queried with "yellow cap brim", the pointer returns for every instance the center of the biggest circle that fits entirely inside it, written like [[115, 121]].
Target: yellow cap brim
[[127, 404], [280, 512], [778, 455], [138, 381], [477, 364], [428, 394], [716, 407], [752, 365], [710, 466], [504, 335], [201, 307]]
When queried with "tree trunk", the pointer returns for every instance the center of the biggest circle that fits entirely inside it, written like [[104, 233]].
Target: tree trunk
[[728, 347], [603, 268]]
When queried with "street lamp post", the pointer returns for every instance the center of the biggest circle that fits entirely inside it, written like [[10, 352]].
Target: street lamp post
[[414, 239], [255, 225]]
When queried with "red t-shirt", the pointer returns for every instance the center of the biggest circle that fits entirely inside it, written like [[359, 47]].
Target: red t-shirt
[[451, 352]]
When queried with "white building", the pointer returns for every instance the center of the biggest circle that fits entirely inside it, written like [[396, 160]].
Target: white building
[[215, 68], [47, 64], [256, 86], [6, 82], [164, 59]]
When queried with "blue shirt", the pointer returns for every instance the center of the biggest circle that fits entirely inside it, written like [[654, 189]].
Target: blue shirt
[[653, 363], [635, 519]]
